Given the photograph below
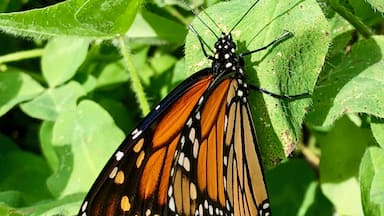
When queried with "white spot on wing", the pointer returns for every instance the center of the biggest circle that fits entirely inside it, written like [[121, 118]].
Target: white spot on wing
[[192, 134], [181, 158], [119, 155], [137, 134], [187, 164], [84, 206], [171, 204], [113, 173], [170, 191], [198, 116], [189, 122], [195, 148]]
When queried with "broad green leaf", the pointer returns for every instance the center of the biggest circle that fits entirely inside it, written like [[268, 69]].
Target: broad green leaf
[[16, 87], [62, 57], [11, 198], [112, 74], [161, 62], [33, 171], [354, 86], [3, 5], [108, 16], [377, 4], [363, 10], [293, 190], [123, 118], [291, 67], [69, 18], [68, 205], [45, 137], [52, 102], [378, 132], [341, 151], [84, 139], [372, 181], [150, 28]]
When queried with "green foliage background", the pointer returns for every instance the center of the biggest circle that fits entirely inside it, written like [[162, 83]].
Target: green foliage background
[[76, 76]]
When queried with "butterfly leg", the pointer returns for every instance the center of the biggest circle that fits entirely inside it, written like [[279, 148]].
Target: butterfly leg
[[284, 97], [282, 37]]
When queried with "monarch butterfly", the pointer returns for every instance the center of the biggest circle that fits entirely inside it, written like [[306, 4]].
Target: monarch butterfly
[[196, 151]]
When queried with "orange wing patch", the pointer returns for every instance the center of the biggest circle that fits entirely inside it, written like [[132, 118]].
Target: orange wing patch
[[171, 124]]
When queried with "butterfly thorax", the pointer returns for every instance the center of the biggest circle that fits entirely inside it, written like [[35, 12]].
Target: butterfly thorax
[[225, 59]]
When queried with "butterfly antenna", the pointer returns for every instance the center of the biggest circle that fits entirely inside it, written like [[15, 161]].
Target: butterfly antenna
[[202, 42], [245, 14], [212, 20], [201, 20]]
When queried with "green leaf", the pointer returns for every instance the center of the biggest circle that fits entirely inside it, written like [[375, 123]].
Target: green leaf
[[33, 171], [16, 87], [150, 28], [341, 151], [372, 181], [354, 86], [162, 62], [119, 112], [111, 74], [52, 102], [62, 57], [293, 190], [68, 205], [84, 139], [378, 132], [45, 136], [107, 18], [291, 67], [377, 4]]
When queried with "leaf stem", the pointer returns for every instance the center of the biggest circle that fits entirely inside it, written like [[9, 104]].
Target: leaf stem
[[17, 56], [351, 18], [136, 84]]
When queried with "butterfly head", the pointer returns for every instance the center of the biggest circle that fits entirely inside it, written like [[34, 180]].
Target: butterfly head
[[225, 59]]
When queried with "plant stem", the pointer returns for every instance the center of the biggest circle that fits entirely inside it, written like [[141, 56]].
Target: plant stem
[[17, 56], [352, 19], [136, 84]]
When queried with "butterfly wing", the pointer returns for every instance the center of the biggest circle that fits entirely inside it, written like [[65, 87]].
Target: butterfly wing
[[135, 177], [218, 171], [195, 154]]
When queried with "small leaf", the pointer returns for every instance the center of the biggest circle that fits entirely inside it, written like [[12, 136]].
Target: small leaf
[[339, 165], [52, 102], [16, 87], [17, 165], [69, 18], [84, 139], [290, 195], [150, 28], [377, 4], [111, 74], [378, 132], [372, 181], [108, 16], [68, 205], [45, 136], [355, 85], [62, 57]]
